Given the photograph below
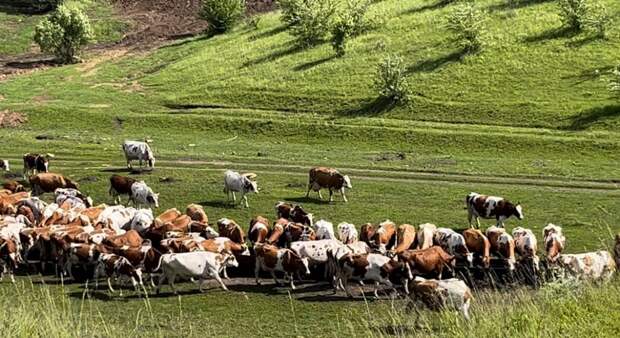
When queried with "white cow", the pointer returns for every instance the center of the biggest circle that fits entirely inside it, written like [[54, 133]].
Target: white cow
[[453, 243], [142, 194], [316, 251], [425, 234], [347, 233], [197, 264], [116, 218], [592, 266], [443, 294], [74, 197], [235, 182], [140, 151], [324, 230], [141, 221]]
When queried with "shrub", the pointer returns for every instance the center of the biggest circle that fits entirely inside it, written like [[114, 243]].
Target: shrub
[[614, 82], [573, 13], [391, 81], [222, 15], [597, 18], [467, 23], [352, 21], [309, 20], [64, 33]]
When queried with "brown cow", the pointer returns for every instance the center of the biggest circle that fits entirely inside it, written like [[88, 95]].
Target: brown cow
[[375, 267], [442, 294], [13, 186], [554, 242], [131, 239], [197, 213], [405, 237], [367, 232], [294, 232], [270, 258], [15, 197], [479, 245], [294, 213], [384, 237], [259, 229], [502, 244], [229, 228], [9, 253], [120, 185], [431, 261], [322, 177], [275, 238], [167, 216], [49, 182]]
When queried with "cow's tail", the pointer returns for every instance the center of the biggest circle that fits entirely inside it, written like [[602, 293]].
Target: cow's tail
[[161, 258]]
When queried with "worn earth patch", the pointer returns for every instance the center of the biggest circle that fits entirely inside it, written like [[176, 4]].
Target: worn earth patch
[[9, 119]]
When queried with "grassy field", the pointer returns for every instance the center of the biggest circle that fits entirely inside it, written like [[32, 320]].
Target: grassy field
[[529, 118]]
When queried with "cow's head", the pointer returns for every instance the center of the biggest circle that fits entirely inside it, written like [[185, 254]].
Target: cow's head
[[347, 182], [230, 261], [250, 186], [41, 163], [518, 211], [4, 164], [210, 233], [153, 199]]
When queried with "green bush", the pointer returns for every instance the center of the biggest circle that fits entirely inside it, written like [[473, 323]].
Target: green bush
[[64, 33], [391, 81], [597, 18], [352, 21], [222, 15], [467, 22], [309, 20], [573, 13]]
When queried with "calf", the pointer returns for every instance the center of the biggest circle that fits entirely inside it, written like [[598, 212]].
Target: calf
[[431, 261], [596, 266], [479, 245], [270, 258], [259, 229], [375, 267], [333, 256], [324, 230], [491, 207], [322, 177], [442, 294], [526, 246], [405, 236], [140, 151], [197, 264], [453, 243], [35, 163], [502, 244], [554, 242], [426, 233], [10, 256], [49, 182], [384, 237], [347, 233], [241, 183], [111, 265]]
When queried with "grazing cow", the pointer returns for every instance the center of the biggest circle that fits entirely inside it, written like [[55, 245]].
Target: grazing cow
[[431, 261], [120, 185], [426, 232], [4, 165], [617, 250], [554, 242], [276, 238], [241, 183], [36, 163], [347, 233], [49, 182], [322, 177], [442, 294], [294, 213], [502, 244], [526, 245], [197, 213], [197, 264], [479, 245], [229, 228], [384, 237], [453, 243], [259, 229], [112, 265], [13, 186], [140, 151], [367, 232], [405, 236], [374, 267], [270, 258], [491, 207], [596, 266], [142, 194], [324, 230]]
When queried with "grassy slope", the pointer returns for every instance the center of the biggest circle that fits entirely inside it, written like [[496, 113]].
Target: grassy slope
[[17, 30]]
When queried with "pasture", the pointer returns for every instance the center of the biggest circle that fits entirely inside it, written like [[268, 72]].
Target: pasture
[[528, 119]]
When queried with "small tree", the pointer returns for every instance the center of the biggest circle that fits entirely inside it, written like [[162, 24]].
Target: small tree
[[222, 15], [467, 22], [64, 33], [309, 20], [352, 21], [573, 13], [391, 81]]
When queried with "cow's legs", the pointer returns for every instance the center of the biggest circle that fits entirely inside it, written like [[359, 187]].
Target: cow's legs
[[309, 188], [129, 163], [216, 275], [245, 198], [320, 195], [465, 309], [331, 195], [470, 215], [273, 274], [225, 273], [256, 272], [377, 290], [234, 197], [110, 285], [292, 285], [478, 222], [160, 282], [344, 196], [171, 283]]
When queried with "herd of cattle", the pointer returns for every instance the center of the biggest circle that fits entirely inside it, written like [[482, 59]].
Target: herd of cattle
[[75, 238]]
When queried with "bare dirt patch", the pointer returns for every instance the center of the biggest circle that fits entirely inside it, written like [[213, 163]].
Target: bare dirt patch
[[9, 119]]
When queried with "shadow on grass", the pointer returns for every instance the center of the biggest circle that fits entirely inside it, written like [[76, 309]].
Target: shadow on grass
[[582, 42], [32, 63], [428, 7], [371, 108], [25, 9], [293, 49], [268, 33], [132, 171], [590, 74], [187, 38], [515, 4], [219, 204], [552, 34], [438, 62], [306, 200], [589, 117], [312, 64]]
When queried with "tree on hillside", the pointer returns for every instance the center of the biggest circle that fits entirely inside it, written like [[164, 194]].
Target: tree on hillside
[[467, 22], [391, 80], [64, 33], [222, 15]]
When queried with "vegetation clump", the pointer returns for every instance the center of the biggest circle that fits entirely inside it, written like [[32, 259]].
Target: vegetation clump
[[467, 22], [222, 15], [64, 33], [391, 80]]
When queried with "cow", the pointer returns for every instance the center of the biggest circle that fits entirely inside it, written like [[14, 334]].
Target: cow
[[83, 254], [294, 213], [130, 239], [229, 228], [116, 218], [197, 213], [272, 259], [479, 245], [526, 246], [141, 221], [140, 151], [617, 250], [453, 243], [112, 265], [146, 258], [357, 247], [375, 267], [384, 237], [4, 165], [347, 233], [596, 266], [241, 183], [13, 186], [405, 236], [425, 235], [298, 232], [324, 230], [554, 242], [10, 256], [442, 294], [167, 216], [322, 177], [49, 182], [502, 244], [489, 207], [197, 264], [142, 194], [367, 232], [69, 198], [275, 237], [36, 163], [259, 229], [120, 185], [315, 251], [431, 261]]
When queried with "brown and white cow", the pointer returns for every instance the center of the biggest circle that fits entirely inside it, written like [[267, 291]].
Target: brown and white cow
[[197, 213], [596, 266], [130, 238], [167, 216], [405, 238], [425, 235], [322, 177], [526, 246], [431, 261], [272, 259], [111, 265], [259, 229], [294, 213], [454, 244], [36, 163], [442, 294], [294, 232], [554, 242], [375, 267], [10, 256], [479, 245], [502, 244], [13, 186], [49, 182], [367, 232], [489, 207], [229, 228], [385, 237], [275, 237]]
